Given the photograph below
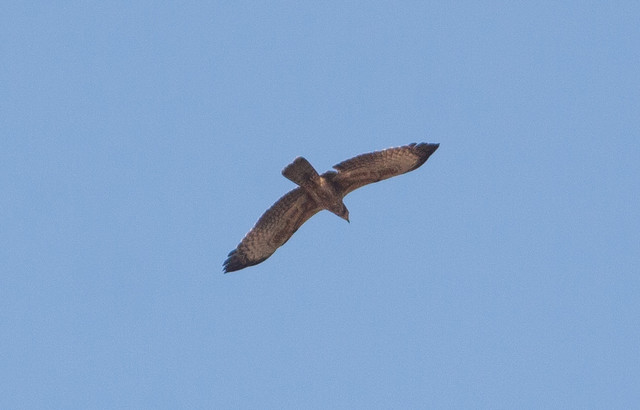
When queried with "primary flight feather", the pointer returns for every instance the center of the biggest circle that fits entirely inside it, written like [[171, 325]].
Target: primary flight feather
[[316, 192]]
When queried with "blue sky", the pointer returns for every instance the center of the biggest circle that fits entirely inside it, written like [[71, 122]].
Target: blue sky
[[142, 140]]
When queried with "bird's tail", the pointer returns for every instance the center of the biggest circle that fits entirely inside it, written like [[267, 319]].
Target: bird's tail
[[300, 172]]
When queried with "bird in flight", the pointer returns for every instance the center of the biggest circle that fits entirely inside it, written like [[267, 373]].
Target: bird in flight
[[317, 192]]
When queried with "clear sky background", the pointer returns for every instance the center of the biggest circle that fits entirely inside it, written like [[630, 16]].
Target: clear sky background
[[140, 141]]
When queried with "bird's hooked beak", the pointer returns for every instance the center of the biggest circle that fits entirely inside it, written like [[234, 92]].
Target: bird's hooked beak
[[345, 214], [341, 211]]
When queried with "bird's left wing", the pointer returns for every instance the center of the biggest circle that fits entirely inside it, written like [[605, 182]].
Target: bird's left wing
[[272, 230]]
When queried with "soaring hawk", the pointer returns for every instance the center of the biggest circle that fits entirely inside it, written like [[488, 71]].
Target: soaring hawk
[[316, 192]]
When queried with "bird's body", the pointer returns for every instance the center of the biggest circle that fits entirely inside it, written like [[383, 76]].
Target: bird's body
[[317, 192], [321, 188]]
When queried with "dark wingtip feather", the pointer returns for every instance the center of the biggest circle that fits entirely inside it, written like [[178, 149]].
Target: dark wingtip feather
[[425, 150], [237, 261], [232, 263]]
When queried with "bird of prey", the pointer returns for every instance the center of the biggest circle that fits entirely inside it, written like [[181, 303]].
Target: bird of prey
[[316, 192]]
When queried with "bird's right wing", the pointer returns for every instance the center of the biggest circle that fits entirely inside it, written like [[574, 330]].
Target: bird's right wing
[[272, 230], [376, 166]]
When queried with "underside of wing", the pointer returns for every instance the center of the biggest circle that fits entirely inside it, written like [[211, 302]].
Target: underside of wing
[[272, 230], [376, 166]]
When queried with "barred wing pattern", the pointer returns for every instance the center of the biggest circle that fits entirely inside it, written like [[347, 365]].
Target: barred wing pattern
[[283, 219], [376, 166], [272, 230]]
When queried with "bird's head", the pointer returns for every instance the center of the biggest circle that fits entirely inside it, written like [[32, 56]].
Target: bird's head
[[341, 210]]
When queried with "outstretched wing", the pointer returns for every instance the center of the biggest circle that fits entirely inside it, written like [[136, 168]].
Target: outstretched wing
[[272, 230], [376, 166]]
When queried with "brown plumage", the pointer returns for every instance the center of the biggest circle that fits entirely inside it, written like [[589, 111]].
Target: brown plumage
[[316, 192]]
